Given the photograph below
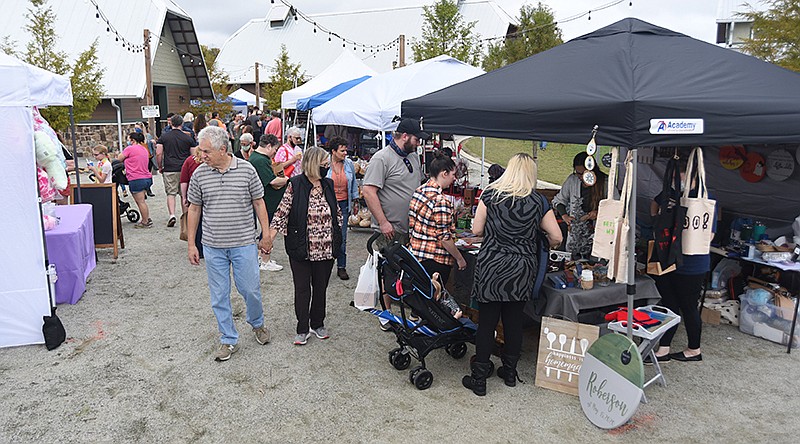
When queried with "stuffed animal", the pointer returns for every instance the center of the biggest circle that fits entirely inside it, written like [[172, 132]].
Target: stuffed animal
[[47, 158]]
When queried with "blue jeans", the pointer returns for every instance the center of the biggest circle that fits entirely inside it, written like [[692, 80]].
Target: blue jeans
[[244, 261], [341, 262]]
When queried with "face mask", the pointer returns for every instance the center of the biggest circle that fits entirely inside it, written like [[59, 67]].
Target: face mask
[[323, 171]]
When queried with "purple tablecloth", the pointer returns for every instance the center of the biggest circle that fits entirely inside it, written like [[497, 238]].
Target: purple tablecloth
[[70, 246]]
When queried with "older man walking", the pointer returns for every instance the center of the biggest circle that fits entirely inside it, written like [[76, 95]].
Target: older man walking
[[226, 190]]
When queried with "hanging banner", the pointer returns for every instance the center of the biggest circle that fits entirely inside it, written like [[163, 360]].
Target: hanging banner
[[676, 126]]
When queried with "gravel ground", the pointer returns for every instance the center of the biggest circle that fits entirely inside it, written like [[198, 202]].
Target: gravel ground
[[138, 367]]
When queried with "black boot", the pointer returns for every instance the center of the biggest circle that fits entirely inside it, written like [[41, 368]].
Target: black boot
[[477, 380], [508, 372]]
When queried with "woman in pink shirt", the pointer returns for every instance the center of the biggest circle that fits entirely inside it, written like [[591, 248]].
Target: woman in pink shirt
[[137, 159]]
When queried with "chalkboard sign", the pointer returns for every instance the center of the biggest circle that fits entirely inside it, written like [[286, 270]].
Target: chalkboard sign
[[105, 213]]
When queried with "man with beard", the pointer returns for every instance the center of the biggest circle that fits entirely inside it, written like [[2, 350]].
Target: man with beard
[[392, 176], [290, 154]]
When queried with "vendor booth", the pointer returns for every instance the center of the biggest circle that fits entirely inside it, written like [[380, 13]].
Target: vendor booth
[[346, 67], [24, 288], [638, 85]]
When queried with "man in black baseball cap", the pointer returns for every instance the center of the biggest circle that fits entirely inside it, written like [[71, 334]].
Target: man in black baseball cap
[[413, 127]]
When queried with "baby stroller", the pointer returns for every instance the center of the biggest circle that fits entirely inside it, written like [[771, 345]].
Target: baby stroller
[[406, 281], [119, 178]]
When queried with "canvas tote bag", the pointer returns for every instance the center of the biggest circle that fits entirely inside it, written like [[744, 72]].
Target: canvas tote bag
[[609, 210], [368, 288], [618, 264], [699, 221]]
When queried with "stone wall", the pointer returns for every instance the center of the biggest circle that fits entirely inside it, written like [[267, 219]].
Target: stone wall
[[90, 135]]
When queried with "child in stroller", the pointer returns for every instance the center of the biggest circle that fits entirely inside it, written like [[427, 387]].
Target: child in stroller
[[406, 281], [119, 178]]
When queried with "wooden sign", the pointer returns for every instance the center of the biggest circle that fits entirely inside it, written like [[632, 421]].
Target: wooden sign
[[562, 346], [754, 168], [780, 165], [611, 381], [732, 156], [105, 214]]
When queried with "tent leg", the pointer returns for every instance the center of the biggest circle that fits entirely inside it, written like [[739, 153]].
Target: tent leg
[[483, 160], [75, 157], [631, 288]]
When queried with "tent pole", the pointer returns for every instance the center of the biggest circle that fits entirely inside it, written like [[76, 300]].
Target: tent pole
[[483, 158], [75, 157], [308, 130], [631, 287]]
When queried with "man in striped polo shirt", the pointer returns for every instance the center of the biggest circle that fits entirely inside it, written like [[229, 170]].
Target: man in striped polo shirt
[[227, 190]]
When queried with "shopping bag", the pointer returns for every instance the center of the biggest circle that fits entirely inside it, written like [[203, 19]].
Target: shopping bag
[[669, 220], [698, 222], [184, 235], [608, 210], [368, 287], [618, 263], [653, 265], [562, 346]]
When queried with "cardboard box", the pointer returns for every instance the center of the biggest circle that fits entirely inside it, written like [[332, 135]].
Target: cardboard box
[[710, 316]]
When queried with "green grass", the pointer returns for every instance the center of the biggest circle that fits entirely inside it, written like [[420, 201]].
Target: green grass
[[555, 161]]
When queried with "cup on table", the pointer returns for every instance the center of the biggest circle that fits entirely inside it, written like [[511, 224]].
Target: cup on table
[[587, 279]]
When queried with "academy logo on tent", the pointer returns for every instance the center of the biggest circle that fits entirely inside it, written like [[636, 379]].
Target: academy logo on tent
[[676, 126]]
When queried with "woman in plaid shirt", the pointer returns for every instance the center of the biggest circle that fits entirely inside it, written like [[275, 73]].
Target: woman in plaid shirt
[[431, 222]]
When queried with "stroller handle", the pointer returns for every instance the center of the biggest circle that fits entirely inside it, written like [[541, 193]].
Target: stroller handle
[[371, 240]]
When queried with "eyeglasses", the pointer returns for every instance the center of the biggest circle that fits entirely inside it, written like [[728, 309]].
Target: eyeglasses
[[408, 165]]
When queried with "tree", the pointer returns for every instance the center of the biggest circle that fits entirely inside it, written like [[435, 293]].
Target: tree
[[776, 33], [285, 76], [445, 32], [219, 83], [85, 76], [537, 32]]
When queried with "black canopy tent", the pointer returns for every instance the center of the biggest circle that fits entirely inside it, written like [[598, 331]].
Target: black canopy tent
[[632, 79], [619, 78]]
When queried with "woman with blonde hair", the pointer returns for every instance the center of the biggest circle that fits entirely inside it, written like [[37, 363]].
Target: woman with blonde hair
[[512, 217], [310, 220]]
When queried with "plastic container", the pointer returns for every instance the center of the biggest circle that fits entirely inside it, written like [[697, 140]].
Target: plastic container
[[587, 279]]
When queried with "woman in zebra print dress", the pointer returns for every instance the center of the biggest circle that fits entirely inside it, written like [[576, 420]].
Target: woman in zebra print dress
[[510, 216]]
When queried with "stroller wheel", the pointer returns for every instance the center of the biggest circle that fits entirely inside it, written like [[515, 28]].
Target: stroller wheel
[[398, 359], [423, 379], [457, 351], [413, 373], [133, 216], [92, 177]]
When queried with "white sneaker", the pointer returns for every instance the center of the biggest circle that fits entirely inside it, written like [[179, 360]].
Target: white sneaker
[[271, 266]]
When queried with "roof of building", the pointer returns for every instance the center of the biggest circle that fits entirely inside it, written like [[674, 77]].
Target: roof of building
[[260, 40], [728, 10], [119, 30]]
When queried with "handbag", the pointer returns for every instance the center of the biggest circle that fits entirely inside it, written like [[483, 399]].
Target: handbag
[[653, 265], [698, 221], [608, 210], [618, 264], [368, 288], [184, 235], [667, 224]]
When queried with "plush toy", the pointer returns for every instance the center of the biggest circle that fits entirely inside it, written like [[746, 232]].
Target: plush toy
[[47, 159], [45, 186]]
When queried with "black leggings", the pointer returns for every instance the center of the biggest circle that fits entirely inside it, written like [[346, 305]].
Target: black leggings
[[681, 294], [490, 314]]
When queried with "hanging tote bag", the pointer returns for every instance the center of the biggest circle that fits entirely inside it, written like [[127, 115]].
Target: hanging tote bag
[[368, 287], [618, 264], [609, 211], [698, 222], [668, 223]]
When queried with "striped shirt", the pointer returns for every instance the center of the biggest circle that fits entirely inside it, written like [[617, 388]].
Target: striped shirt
[[430, 219], [227, 201]]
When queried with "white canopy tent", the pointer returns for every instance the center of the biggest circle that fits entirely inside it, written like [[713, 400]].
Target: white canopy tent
[[249, 98], [24, 289], [346, 67], [374, 103]]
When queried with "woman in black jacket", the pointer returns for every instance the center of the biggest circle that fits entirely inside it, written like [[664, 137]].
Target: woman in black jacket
[[310, 219]]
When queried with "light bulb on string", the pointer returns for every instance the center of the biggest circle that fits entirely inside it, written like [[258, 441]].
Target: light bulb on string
[[97, 17], [590, 15]]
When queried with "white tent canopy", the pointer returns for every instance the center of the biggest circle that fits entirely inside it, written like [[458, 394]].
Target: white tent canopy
[[346, 67], [375, 102], [24, 292], [244, 96]]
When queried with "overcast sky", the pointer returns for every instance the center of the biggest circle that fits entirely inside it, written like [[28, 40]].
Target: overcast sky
[[215, 21]]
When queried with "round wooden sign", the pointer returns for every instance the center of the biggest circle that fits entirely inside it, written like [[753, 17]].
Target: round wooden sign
[[606, 159], [610, 381], [754, 168], [589, 163], [732, 156], [780, 165], [591, 147], [589, 178], [797, 154]]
